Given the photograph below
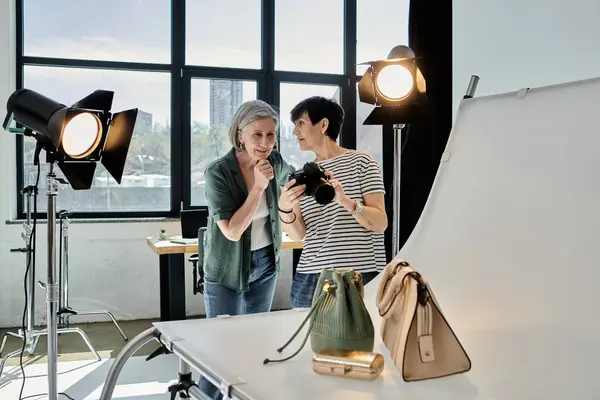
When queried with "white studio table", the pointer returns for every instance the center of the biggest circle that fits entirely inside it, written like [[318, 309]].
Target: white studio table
[[508, 242]]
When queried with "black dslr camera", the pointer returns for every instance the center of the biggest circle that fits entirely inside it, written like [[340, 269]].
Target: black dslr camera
[[317, 184]]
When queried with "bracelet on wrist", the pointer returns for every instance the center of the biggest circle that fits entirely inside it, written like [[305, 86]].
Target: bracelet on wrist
[[285, 212], [288, 223]]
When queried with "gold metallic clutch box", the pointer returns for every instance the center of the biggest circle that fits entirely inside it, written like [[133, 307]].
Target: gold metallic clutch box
[[351, 364]]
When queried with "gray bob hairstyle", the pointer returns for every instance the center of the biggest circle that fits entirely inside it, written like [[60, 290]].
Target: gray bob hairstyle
[[247, 113]]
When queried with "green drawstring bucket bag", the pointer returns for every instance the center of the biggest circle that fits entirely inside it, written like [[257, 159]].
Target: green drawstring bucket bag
[[338, 317]]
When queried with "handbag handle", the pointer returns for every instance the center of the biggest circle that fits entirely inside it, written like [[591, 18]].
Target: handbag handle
[[328, 289], [401, 271]]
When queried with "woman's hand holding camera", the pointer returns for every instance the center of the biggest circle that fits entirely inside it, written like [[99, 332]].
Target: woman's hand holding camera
[[290, 196], [263, 173], [340, 195]]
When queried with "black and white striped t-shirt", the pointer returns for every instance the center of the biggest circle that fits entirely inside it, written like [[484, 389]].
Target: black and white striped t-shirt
[[334, 238]]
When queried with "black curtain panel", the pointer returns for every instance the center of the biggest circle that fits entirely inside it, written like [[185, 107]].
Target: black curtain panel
[[430, 37]]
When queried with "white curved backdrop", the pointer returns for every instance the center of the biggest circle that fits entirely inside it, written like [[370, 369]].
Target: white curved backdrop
[[509, 242]]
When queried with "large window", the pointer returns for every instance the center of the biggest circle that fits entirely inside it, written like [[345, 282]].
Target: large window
[[369, 138], [223, 33], [187, 66], [381, 25], [213, 104], [111, 30], [309, 36], [379, 28], [147, 176]]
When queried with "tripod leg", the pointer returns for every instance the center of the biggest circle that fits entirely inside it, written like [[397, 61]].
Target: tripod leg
[[85, 339], [112, 317], [5, 359], [3, 344], [32, 344], [103, 312], [6, 335]]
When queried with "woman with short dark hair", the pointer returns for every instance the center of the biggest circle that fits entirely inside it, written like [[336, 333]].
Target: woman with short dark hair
[[348, 232]]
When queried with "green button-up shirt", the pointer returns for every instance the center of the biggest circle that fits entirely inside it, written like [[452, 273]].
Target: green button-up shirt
[[227, 262]]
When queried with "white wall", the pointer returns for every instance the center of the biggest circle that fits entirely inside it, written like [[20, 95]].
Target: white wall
[[100, 278], [514, 44]]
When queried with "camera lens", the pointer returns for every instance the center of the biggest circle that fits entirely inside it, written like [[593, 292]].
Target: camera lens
[[324, 193]]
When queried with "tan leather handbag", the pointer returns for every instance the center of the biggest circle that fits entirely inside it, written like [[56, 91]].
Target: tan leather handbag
[[414, 330]]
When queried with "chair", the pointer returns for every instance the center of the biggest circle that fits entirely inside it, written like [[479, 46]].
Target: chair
[[197, 260]]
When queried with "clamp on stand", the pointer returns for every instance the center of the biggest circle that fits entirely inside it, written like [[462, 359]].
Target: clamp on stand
[[160, 351], [182, 387], [64, 310], [185, 382], [185, 386]]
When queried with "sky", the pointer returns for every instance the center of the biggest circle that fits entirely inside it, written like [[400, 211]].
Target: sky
[[225, 33]]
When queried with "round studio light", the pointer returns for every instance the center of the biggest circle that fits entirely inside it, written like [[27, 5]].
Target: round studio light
[[81, 135], [394, 82]]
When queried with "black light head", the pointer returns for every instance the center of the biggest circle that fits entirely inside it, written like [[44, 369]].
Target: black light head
[[77, 136]]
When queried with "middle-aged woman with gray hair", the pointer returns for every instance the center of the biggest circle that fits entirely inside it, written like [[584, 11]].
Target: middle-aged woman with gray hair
[[243, 236]]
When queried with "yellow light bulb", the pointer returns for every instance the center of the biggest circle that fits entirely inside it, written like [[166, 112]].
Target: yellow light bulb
[[81, 135], [394, 82]]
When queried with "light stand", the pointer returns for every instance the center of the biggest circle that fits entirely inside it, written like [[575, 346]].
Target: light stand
[[29, 191], [75, 138], [29, 336], [52, 285], [397, 88], [65, 311], [398, 128]]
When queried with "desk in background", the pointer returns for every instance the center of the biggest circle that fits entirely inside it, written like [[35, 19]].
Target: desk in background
[[172, 272]]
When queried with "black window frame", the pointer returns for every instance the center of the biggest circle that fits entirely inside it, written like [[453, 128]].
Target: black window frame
[[267, 78]]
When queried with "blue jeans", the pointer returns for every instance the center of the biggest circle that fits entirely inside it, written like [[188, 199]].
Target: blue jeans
[[219, 299], [304, 285]]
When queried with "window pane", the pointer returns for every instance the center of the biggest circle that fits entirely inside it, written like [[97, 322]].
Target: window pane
[[147, 176], [369, 138], [138, 31], [290, 95], [224, 33], [309, 36], [381, 25], [213, 104]]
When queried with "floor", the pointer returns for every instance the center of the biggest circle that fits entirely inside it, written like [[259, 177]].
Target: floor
[[71, 347], [81, 376], [84, 380]]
